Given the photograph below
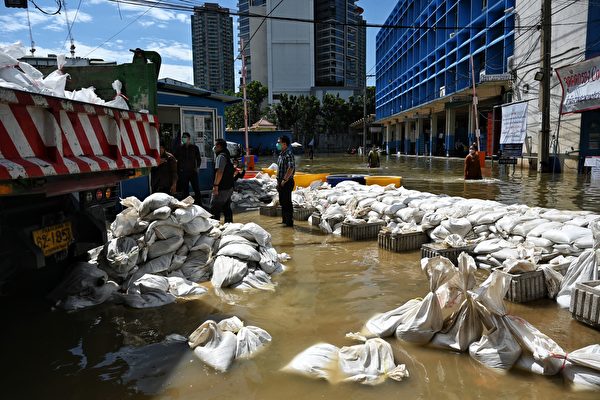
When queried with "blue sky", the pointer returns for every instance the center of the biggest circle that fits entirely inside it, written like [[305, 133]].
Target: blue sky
[[104, 30]]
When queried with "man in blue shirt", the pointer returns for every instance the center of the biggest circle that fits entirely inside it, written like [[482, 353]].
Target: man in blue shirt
[[286, 167]]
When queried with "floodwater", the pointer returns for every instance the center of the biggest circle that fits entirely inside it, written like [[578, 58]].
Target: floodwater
[[331, 287]]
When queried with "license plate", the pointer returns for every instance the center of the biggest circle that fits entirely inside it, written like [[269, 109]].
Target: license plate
[[53, 239]]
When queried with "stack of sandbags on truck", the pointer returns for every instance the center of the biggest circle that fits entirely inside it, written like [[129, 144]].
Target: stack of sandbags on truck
[[20, 75], [370, 363], [219, 344], [254, 192]]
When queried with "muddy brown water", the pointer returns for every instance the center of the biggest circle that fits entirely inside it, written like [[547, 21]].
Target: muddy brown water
[[331, 287]]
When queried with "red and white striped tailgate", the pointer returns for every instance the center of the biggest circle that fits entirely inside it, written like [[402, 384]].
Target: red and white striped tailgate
[[45, 136]]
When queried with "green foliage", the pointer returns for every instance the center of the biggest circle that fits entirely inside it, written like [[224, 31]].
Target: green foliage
[[256, 93]]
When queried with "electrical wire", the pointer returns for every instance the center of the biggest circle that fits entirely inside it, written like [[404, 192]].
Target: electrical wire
[[70, 27], [46, 12]]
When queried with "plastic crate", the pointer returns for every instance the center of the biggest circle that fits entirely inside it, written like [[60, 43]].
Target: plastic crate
[[365, 231], [441, 249], [316, 218], [402, 241], [270, 211], [302, 214], [585, 303], [529, 286]]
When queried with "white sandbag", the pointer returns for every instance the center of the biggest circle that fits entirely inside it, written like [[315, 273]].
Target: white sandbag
[[586, 242], [431, 220], [241, 251], [582, 367], [164, 232], [394, 208], [149, 283], [157, 265], [385, 324], [426, 318], [227, 271], [231, 324], [154, 201], [119, 256], [163, 212], [538, 230], [127, 223], [318, 361], [370, 363], [491, 246], [213, 346], [162, 247], [457, 226], [538, 241], [525, 227], [566, 234], [185, 215], [232, 228], [256, 233], [269, 260], [497, 347], [485, 217], [557, 216], [197, 226], [464, 326], [506, 253], [406, 214], [439, 233], [455, 241], [255, 279], [235, 240], [119, 100], [584, 268], [182, 287], [250, 340], [149, 299], [507, 223]]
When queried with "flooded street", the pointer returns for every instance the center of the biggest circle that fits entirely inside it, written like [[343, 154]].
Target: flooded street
[[331, 286]]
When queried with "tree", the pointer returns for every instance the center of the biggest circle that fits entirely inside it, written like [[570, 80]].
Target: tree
[[234, 115], [286, 111], [255, 94], [335, 113], [309, 110]]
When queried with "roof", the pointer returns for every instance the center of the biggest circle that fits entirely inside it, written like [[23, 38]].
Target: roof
[[263, 124], [174, 85]]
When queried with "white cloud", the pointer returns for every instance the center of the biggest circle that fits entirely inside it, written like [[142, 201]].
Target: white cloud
[[182, 73], [18, 21], [162, 26], [171, 49], [146, 24]]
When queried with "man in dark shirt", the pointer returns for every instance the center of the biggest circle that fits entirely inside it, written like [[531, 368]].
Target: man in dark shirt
[[472, 165], [164, 175], [188, 162], [286, 167], [220, 200]]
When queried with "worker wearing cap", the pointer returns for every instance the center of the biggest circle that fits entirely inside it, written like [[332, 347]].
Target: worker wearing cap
[[220, 201]]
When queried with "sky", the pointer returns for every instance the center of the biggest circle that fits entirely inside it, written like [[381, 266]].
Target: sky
[[107, 30]]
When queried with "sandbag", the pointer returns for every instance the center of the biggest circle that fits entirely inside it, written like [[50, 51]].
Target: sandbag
[[426, 318], [525, 227], [318, 361], [370, 363], [231, 324], [385, 324], [214, 346], [160, 213], [235, 240], [256, 233], [162, 247], [255, 279], [566, 234], [197, 226], [250, 340], [582, 367], [119, 257], [157, 265], [228, 271], [154, 201], [457, 226], [241, 251], [185, 215], [538, 230]]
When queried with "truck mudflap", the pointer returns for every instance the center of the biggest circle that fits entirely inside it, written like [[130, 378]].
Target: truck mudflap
[[45, 136]]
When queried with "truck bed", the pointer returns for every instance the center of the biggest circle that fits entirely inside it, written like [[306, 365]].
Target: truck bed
[[49, 137]]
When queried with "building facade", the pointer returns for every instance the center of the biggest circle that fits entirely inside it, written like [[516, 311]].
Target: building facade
[[424, 77], [246, 27], [212, 48]]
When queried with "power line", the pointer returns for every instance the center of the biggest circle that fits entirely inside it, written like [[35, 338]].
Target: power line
[[46, 12]]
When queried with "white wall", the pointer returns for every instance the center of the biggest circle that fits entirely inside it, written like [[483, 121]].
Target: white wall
[[527, 51], [290, 49]]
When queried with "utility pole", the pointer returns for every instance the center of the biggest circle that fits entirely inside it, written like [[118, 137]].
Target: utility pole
[[475, 102], [544, 135], [365, 114], [249, 164]]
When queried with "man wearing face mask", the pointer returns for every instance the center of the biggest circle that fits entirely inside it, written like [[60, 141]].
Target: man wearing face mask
[[220, 200], [472, 166], [188, 162], [286, 167]]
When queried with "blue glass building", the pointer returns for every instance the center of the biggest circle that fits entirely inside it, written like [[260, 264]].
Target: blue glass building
[[424, 86]]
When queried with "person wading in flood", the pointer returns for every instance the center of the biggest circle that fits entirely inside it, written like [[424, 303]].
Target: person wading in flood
[[285, 180], [188, 162], [220, 200], [164, 175], [373, 158], [472, 166]]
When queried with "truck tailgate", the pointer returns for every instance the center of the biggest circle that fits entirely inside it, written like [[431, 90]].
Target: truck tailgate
[[43, 136]]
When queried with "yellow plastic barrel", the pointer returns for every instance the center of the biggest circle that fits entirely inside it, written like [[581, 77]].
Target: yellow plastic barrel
[[269, 171], [383, 180], [304, 180]]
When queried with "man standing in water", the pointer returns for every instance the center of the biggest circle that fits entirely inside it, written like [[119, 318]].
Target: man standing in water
[[188, 162], [286, 167], [220, 200], [472, 166], [373, 158]]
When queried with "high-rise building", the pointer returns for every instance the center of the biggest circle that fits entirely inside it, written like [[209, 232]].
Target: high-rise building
[[340, 49], [212, 48], [245, 30]]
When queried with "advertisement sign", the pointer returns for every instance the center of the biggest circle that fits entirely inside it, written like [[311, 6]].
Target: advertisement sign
[[514, 123], [581, 86]]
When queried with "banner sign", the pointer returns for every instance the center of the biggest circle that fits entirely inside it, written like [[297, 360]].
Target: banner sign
[[581, 86], [512, 150], [514, 123]]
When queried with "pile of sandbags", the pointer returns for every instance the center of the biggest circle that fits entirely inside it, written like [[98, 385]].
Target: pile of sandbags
[[219, 344], [254, 192], [457, 316], [159, 249], [371, 363], [15, 74]]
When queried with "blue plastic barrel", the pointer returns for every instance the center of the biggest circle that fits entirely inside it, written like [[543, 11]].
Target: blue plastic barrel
[[333, 180]]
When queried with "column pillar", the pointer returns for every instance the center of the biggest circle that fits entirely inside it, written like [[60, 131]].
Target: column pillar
[[397, 134], [432, 133], [407, 135], [450, 126], [419, 135]]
